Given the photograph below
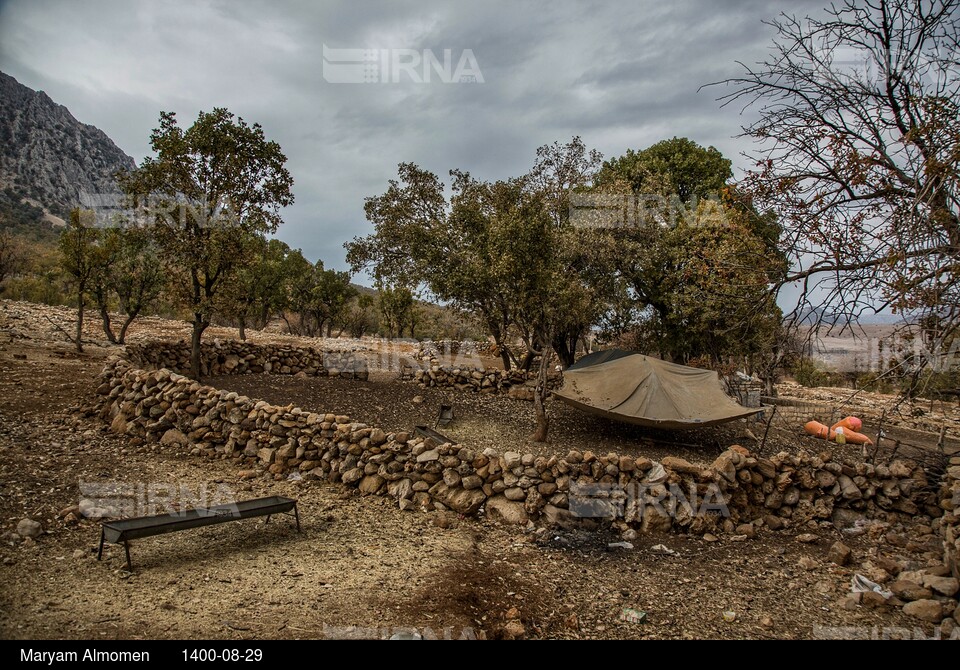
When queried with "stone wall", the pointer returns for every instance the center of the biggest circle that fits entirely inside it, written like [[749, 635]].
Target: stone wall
[[950, 522], [266, 440], [234, 358], [515, 383], [429, 349], [798, 412]]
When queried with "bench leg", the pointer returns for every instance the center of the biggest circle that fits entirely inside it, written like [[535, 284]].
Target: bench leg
[[296, 515], [267, 521], [126, 547], [100, 550]]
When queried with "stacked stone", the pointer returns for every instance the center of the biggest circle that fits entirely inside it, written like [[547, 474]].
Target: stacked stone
[[515, 383], [796, 488], [950, 522], [234, 357], [428, 350], [785, 490]]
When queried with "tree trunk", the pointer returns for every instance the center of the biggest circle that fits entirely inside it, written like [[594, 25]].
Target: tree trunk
[[527, 360], [505, 357], [199, 325], [122, 339], [498, 340], [242, 328], [105, 315], [539, 399], [566, 348], [80, 306]]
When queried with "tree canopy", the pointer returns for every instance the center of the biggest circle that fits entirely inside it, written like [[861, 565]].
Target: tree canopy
[[697, 270], [210, 189]]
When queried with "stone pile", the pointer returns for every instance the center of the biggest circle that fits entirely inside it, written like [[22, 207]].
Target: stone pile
[[515, 383], [429, 349], [234, 358], [782, 491], [950, 522]]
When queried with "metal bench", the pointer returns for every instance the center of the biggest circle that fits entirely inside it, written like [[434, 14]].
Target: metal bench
[[124, 530]]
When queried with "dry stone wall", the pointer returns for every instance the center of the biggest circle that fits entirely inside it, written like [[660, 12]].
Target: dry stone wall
[[430, 349], [266, 440], [515, 383], [234, 358], [950, 522]]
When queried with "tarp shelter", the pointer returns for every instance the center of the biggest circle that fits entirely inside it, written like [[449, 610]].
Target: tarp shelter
[[638, 389]]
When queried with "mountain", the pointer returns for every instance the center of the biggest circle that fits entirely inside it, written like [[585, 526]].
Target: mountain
[[49, 157]]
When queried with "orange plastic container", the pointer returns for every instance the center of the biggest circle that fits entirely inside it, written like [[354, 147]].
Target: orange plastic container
[[849, 423], [817, 429]]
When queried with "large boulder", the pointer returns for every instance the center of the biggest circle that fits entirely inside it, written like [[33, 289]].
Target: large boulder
[[506, 511], [460, 500]]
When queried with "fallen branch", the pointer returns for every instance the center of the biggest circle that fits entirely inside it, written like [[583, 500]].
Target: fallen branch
[[70, 338]]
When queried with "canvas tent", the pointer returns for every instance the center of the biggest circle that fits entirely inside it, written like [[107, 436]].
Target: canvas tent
[[638, 389]]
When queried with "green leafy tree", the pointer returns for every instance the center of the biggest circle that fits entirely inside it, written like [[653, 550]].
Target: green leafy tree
[[678, 167], [78, 258], [396, 305], [361, 316], [264, 286], [332, 295], [103, 256], [275, 269], [318, 296], [300, 277], [239, 301], [559, 171], [487, 250], [136, 277], [698, 270], [710, 297], [208, 188]]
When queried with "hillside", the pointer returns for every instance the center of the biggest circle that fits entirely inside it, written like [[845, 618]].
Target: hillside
[[48, 155]]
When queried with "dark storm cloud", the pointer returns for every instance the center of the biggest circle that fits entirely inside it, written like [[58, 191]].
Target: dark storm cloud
[[621, 74]]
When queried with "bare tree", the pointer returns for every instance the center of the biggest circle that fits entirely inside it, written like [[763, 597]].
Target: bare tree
[[859, 149]]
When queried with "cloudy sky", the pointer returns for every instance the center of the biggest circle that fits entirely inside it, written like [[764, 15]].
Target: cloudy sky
[[621, 74]]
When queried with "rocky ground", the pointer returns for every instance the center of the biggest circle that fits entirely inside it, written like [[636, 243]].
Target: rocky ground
[[361, 567]]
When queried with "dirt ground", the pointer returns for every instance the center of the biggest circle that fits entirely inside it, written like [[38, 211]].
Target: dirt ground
[[361, 567]]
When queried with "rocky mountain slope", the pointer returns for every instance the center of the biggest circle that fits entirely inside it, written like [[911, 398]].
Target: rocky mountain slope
[[47, 155]]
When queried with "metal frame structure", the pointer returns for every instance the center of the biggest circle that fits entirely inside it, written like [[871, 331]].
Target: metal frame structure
[[123, 531]]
